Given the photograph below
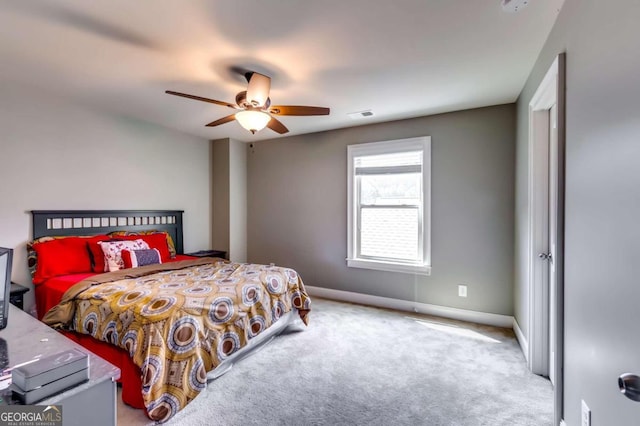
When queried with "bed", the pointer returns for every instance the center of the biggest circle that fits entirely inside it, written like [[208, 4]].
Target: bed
[[169, 321]]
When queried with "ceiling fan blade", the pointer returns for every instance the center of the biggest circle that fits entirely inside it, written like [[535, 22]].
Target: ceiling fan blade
[[222, 120], [199, 98], [258, 89], [298, 110], [277, 126]]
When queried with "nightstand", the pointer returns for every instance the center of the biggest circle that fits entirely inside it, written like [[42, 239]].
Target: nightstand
[[209, 253], [17, 295]]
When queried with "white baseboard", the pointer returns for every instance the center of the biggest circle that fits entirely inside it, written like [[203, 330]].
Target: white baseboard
[[562, 423], [524, 344], [406, 305]]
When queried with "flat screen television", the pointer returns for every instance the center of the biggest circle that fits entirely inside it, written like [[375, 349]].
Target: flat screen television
[[6, 258]]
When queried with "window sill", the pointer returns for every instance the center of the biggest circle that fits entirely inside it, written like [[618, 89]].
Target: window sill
[[389, 266]]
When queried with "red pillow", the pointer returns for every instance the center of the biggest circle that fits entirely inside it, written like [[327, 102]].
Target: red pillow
[[61, 256], [155, 241], [96, 254]]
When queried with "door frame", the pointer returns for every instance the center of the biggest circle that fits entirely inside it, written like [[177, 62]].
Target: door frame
[[550, 91]]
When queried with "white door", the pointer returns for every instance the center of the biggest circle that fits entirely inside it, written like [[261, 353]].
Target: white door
[[544, 254], [553, 232], [546, 230]]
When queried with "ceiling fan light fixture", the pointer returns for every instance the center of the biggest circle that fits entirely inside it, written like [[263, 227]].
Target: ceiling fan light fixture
[[253, 106], [252, 120]]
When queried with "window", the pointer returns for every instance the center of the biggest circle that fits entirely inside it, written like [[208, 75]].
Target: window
[[389, 205]]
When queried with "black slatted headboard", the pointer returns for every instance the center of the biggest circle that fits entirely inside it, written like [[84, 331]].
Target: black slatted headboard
[[93, 222]]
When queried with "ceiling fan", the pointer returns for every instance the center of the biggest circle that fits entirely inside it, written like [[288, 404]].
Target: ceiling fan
[[254, 105]]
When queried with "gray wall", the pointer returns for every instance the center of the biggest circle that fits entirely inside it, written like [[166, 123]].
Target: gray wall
[[229, 209], [220, 194], [297, 208], [602, 235], [237, 201], [58, 155]]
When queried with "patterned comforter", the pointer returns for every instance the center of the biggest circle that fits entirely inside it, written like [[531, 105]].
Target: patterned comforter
[[180, 320]]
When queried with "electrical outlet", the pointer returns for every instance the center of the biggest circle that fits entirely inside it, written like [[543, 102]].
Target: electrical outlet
[[462, 290], [586, 414]]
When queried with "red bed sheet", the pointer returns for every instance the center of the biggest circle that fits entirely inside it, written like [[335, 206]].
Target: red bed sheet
[[49, 293]]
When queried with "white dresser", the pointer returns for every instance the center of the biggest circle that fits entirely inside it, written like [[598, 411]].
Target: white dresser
[[90, 403]]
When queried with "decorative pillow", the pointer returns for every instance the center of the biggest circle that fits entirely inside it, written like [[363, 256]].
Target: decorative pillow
[[97, 255], [53, 256], [135, 258], [156, 241], [112, 252], [170, 246]]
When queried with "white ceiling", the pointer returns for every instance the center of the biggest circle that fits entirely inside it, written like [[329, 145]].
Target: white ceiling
[[401, 59]]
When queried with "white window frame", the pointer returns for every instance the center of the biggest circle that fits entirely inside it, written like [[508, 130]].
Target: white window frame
[[422, 267]]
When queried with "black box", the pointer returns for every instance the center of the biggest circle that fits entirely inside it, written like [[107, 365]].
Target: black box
[[49, 369], [35, 395]]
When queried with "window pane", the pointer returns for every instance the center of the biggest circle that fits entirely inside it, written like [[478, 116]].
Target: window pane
[[390, 189], [389, 233], [409, 158]]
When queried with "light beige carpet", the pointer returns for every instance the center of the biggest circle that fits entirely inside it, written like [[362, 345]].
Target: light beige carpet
[[357, 365]]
